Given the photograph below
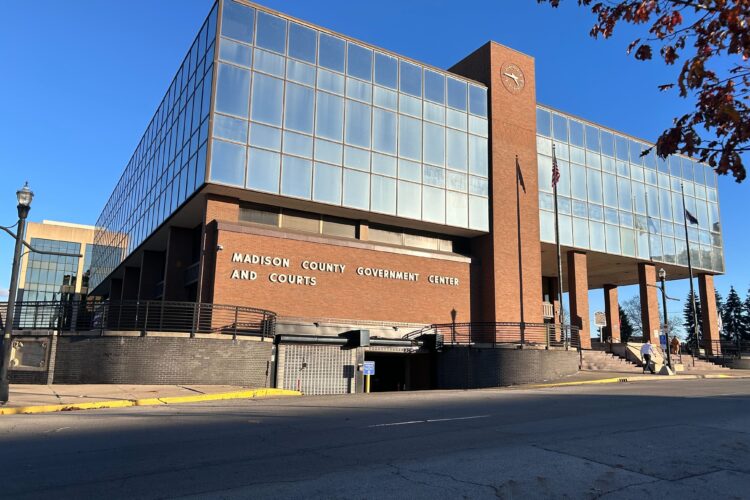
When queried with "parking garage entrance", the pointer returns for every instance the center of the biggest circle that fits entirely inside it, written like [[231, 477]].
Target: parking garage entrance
[[399, 371]]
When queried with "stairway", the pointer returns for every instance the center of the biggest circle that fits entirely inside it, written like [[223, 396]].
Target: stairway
[[604, 361], [701, 365]]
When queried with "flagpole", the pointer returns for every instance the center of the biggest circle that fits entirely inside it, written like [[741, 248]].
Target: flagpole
[[690, 270], [557, 244], [648, 232]]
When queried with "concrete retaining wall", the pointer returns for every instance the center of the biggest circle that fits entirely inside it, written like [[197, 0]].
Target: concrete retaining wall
[[156, 360], [471, 367]]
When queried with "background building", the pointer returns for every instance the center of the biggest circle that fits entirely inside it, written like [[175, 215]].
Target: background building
[[51, 277]]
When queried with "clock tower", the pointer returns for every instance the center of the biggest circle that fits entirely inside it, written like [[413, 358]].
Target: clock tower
[[511, 253]]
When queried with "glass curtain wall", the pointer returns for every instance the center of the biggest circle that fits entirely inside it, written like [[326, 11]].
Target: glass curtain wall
[[306, 114], [169, 163], [46, 275], [613, 200]]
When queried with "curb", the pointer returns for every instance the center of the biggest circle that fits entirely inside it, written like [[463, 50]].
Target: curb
[[124, 403], [636, 378]]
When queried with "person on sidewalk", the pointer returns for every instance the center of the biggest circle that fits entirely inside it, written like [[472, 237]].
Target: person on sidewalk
[[647, 352], [675, 344]]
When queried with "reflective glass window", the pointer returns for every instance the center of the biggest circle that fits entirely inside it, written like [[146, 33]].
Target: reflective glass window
[[456, 209], [547, 226], [627, 239], [359, 62], [330, 152], [296, 177], [271, 33], [232, 90], [621, 148], [300, 72], [635, 152], [608, 144], [478, 155], [560, 127], [384, 131], [265, 137], [302, 42], [356, 189], [434, 176], [236, 53], [434, 86], [263, 170], [623, 191], [386, 98], [298, 144], [327, 183], [411, 79], [457, 91], [329, 116], [578, 181], [613, 239], [479, 185], [457, 181], [383, 194], [434, 144], [270, 63], [477, 100], [576, 133], [267, 107], [409, 170], [298, 109], [386, 70], [610, 190], [433, 204], [331, 52], [543, 124], [592, 138], [358, 90], [410, 138], [358, 120], [357, 158], [228, 163], [230, 128], [384, 164], [594, 179], [237, 21], [330, 81], [434, 113], [580, 233], [409, 200], [456, 150]]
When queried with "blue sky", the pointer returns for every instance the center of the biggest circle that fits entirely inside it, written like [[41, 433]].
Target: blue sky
[[82, 80]]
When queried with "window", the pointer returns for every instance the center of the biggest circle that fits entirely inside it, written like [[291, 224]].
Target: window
[[410, 138], [271, 33], [266, 215], [268, 103], [411, 79], [327, 183], [228, 163], [358, 119], [237, 22], [329, 116], [232, 90], [386, 70], [263, 170], [331, 52], [303, 42], [296, 177], [359, 62], [298, 109], [434, 86], [477, 100], [356, 189]]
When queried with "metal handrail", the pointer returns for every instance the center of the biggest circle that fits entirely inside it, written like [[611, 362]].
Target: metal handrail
[[142, 316], [514, 333]]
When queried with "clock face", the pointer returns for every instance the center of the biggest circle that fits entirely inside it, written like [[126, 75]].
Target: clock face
[[512, 77]]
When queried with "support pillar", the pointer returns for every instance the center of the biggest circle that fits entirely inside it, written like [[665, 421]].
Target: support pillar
[[709, 319], [130, 281], [115, 289], [179, 257], [578, 290], [612, 313], [649, 302], [152, 272]]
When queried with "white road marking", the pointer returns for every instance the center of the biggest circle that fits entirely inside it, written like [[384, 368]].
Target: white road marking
[[428, 421]]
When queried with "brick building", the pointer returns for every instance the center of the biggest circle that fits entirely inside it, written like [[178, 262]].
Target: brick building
[[340, 185]]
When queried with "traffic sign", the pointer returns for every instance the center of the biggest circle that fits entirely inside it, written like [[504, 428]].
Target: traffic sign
[[368, 368]]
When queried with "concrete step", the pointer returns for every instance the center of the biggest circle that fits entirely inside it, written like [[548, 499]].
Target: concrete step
[[603, 361]]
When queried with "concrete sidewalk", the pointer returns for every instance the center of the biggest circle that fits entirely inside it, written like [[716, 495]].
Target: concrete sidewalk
[[32, 398]]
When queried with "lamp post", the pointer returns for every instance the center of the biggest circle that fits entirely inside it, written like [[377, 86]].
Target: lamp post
[[24, 197], [663, 280]]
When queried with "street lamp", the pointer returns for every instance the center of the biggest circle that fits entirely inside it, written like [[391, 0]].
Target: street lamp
[[663, 280], [24, 197]]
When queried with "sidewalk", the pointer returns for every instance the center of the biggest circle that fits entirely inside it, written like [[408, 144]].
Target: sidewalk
[[33, 398], [585, 377]]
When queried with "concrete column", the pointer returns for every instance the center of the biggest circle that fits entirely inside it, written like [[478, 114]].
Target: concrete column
[[152, 272], [709, 319], [179, 257], [578, 290], [612, 313], [649, 302], [130, 282]]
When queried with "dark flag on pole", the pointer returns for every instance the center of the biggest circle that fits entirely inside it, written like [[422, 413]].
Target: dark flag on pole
[[520, 175], [690, 217], [555, 170]]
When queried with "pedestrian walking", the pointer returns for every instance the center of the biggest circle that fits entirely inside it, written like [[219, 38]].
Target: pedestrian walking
[[647, 352]]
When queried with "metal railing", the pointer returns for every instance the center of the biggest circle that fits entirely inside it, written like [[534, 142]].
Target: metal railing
[[531, 334], [725, 349], [142, 316]]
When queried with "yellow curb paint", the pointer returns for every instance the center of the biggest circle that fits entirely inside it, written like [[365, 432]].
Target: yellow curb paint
[[124, 403], [636, 378]]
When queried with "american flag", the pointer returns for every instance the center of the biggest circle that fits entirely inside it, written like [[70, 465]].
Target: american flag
[[555, 169]]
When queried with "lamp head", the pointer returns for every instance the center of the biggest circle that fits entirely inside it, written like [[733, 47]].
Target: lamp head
[[662, 274], [24, 196]]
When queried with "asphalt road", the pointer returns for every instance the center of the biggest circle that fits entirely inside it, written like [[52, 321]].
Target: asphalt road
[[675, 439]]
